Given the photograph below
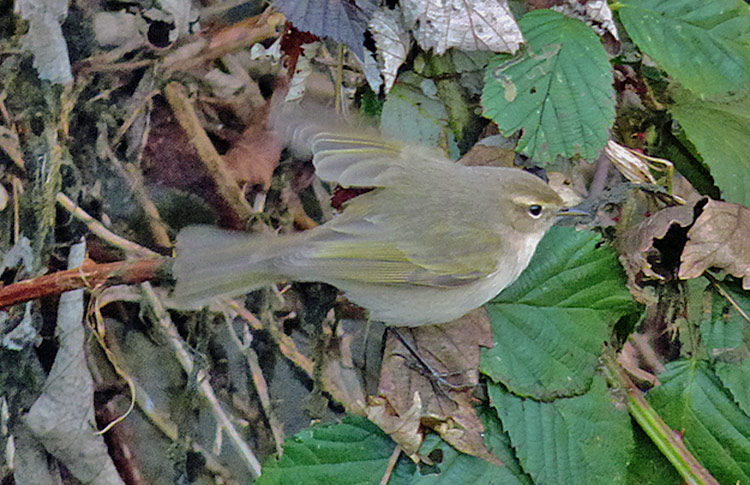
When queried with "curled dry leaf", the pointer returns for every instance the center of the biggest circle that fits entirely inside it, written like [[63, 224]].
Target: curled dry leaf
[[453, 351], [641, 260], [720, 238], [403, 428]]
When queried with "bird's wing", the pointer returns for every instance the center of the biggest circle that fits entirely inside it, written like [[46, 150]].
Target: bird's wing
[[396, 234], [376, 251], [347, 155]]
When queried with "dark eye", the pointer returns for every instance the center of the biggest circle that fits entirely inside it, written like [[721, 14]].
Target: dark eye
[[535, 210]]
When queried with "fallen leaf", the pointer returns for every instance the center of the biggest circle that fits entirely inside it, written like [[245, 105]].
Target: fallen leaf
[[720, 238], [44, 38], [254, 156], [595, 13], [403, 428], [392, 42], [640, 258], [486, 154], [340, 376], [453, 351], [481, 25], [341, 20]]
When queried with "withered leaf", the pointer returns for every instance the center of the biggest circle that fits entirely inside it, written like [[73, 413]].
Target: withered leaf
[[453, 351], [403, 428], [484, 25], [254, 157], [340, 376], [636, 244], [720, 238]]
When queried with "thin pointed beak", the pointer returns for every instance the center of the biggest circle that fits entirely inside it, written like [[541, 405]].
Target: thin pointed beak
[[572, 212]]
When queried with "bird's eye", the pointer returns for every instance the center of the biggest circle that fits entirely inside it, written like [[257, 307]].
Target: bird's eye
[[535, 210]]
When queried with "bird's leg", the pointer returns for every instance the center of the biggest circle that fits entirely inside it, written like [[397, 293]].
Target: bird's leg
[[435, 377]]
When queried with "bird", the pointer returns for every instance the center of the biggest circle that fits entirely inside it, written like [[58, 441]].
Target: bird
[[430, 242]]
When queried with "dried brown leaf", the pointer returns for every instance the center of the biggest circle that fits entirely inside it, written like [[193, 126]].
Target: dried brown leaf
[[720, 238], [340, 377], [453, 351], [638, 255], [403, 428], [488, 156]]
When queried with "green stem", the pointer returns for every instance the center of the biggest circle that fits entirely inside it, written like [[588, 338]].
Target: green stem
[[667, 440]]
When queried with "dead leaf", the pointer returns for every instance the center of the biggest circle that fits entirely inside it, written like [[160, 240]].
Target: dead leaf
[[340, 376], [341, 20], [393, 44], [403, 428], [641, 260], [720, 238], [254, 157], [452, 350], [481, 25], [487, 155], [595, 13], [44, 38]]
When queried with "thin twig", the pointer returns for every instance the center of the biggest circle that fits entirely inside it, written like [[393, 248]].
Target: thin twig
[[729, 297], [226, 184], [339, 79], [392, 461], [102, 232], [204, 386], [286, 345], [261, 387]]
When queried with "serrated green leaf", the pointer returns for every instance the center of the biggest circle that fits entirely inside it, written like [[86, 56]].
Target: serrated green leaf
[[550, 324], [736, 379], [352, 452], [703, 45], [498, 443], [723, 336], [691, 399], [558, 90], [582, 439], [719, 132]]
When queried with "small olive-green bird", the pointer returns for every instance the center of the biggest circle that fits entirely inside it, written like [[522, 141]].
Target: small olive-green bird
[[432, 241]]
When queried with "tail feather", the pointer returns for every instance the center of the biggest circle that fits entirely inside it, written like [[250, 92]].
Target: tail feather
[[211, 262]]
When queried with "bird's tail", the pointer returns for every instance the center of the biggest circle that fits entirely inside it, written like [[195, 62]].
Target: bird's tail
[[211, 262]]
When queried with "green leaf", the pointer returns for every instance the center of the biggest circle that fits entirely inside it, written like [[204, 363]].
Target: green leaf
[[352, 452], [412, 116], [550, 324], [722, 329], [691, 399], [582, 439], [558, 90], [456, 467], [736, 379], [647, 465], [703, 45], [719, 132], [498, 443]]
